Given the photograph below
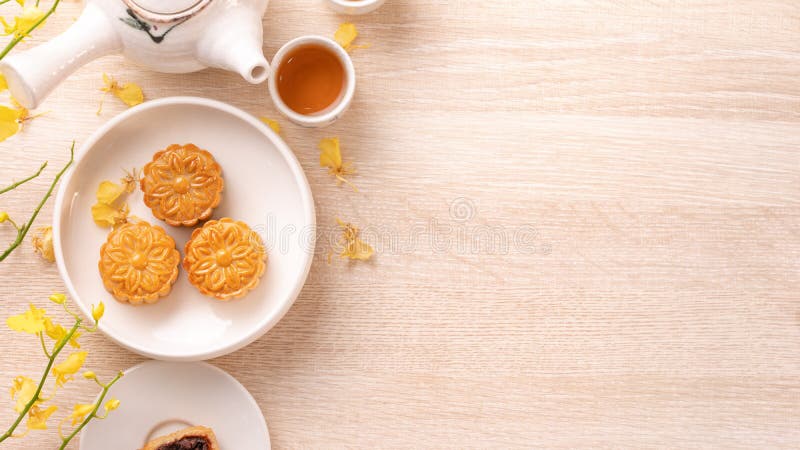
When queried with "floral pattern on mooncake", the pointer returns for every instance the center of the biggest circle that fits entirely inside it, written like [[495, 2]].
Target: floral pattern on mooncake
[[182, 185], [139, 263], [225, 259]]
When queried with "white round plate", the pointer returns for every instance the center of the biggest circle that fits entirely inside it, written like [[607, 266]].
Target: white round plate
[[159, 397], [264, 187]]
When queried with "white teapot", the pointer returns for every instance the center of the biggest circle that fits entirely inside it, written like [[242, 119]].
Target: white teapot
[[173, 36]]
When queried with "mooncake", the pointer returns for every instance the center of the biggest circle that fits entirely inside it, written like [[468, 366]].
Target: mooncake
[[224, 259], [139, 263], [182, 185], [192, 438]]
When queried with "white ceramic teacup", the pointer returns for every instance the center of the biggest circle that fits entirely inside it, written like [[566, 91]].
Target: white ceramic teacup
[[332, 112], [355, 7]]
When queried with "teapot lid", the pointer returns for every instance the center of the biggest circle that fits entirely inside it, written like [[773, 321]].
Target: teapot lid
[[160, 10]]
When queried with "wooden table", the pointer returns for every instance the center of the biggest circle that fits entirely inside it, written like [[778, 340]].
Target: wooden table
[[586, 216]]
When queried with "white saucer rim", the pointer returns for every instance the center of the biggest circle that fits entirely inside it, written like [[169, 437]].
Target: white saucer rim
[[237, 383]]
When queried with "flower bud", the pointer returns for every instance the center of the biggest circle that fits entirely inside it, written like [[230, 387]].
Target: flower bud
[[98, 311], [58, 299], [112, 404], [89, 375], [43, 243], [3, 216]]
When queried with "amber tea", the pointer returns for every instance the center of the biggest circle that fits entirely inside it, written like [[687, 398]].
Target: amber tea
[[310, 79]]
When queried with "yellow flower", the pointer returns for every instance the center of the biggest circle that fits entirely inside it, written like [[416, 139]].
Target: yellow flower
[[108, 192], [23, 388], [112, 404], [57, 333], [73, 341], [37, 418], [43, 243], [23, 22], [54, 331], [130, 180], [352, 246], [276, 127], [130, 93], [9, 122], [331, 154], [3, 216], [31, 321], [12, 118], [345, 35], [105, 213], [24, 114], [97, 312], [80, 411], [58, 298], [3, 83], [69, 367], [331, 157], [109, 216]]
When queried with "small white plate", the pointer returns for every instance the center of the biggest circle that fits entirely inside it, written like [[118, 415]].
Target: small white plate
[[264, 187], [158, 398], [355, 7]]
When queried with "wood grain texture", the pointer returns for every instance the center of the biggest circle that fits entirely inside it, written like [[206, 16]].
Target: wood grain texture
[[587, 217]]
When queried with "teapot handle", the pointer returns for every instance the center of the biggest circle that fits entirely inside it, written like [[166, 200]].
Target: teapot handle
[[33, 74]]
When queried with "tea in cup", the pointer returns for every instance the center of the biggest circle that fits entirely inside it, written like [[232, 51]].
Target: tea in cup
[[312, 81]]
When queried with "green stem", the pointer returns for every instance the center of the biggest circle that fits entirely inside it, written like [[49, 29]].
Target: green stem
[[44, 347], [13, 186], [35, 397], [69, 311], [23, 231], [17, 39], [14, 224], [92, 415]]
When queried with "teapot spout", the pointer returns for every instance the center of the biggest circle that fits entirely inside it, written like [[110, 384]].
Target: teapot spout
[[233, 42], [33, 74]]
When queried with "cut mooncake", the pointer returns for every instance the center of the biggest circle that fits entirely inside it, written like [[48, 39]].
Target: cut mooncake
[[192, 438]]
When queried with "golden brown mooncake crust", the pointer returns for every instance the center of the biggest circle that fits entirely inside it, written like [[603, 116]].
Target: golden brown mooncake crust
[[138, 263], [225, 259], [173, 440], [182, 185]]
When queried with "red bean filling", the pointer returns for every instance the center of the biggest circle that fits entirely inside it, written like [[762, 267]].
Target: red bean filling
[[187, 443]]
